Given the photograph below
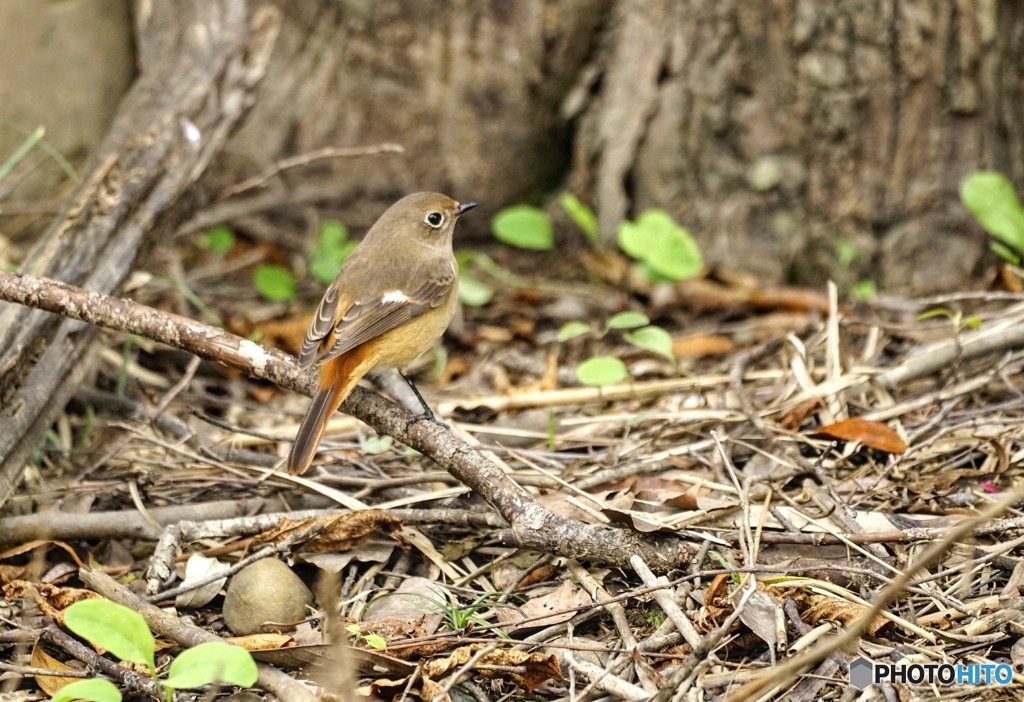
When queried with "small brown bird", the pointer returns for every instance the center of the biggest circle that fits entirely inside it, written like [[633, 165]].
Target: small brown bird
[[391, 301]]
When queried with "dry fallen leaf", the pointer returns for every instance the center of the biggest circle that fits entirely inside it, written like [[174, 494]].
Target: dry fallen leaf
[[333, 533], [198, 568], [872, 434], [50, 599], [560, 604], [537, 668], [49, 683], [823, 607], [701, 345], [262, 642]]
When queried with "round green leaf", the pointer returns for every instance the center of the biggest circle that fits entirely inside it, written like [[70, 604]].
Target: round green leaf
[[109, 625], [524, 226], [627, 320], [656, 240], [332, 234], [219, 239], [653, 339], [91, 689], [375, 641], [331, 250], [378, 444], [570, 330], [991, 199], [601, 370], [274, 282], [639, 237], [473, 291], [325, 261], [212, 662]]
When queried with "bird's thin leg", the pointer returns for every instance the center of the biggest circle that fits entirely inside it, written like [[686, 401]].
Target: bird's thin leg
[[427, 413]]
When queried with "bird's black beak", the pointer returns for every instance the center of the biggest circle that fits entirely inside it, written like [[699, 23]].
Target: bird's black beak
[[463, 208]]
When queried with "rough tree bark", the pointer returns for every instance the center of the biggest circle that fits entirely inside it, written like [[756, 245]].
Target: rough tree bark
[[472, 90], [775, 130], [200, 62]]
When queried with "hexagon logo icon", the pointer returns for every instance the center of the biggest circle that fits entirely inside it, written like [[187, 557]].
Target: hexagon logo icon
[[862, 672]]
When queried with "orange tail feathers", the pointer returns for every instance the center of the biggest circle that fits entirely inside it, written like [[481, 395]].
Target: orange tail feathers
[[337, 378]]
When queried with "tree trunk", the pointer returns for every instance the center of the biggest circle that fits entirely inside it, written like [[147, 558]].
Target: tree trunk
[[783, 132], [471, 90], [200, 62]]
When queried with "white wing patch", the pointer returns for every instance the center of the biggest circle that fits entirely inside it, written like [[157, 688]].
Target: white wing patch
[[393, 296]]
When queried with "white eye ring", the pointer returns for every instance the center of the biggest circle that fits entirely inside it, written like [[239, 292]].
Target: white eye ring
[[434, 219]]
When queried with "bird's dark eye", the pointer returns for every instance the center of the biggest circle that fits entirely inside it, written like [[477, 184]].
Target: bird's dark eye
[[434, 219]]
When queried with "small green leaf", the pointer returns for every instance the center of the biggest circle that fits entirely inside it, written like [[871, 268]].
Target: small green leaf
[[847, 252], [1005, 252], [668, 249], [627, 320], [325, 265], [375, 641], [90, 689], [21, 152], [582, 215], [653, 339], [865, 290], [118, 629], [570, 330], [991, 199], [378, 444], [601, 370], [212, 662], [274, 282], [524, 226], [935, 312], [331, 250], [219, 239], [473, 291], [332, 233]]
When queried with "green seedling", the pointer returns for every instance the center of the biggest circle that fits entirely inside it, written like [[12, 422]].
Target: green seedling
[[582, 215], [601, 370], [219, 239], [332, 248], [472, 291], [865, 290], [608, 370], [34, 139], [570, 330], [377, 444], [458, 618], [525, 227], [372, 640], [665, 250], [626, 320], [125, 635], [274, 283], [454, 616], [990, 197], [21, 152], [847, 253], [653, 339], [958, 319]]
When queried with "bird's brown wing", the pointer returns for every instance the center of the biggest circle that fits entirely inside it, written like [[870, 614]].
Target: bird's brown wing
[[366, 319]]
